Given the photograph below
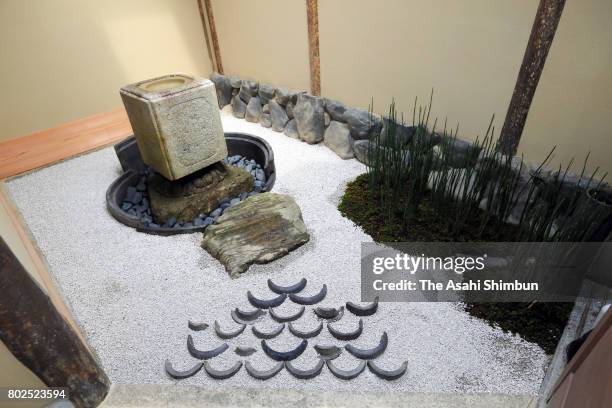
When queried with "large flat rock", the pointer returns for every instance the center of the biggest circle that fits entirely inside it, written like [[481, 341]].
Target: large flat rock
[[260, 229]]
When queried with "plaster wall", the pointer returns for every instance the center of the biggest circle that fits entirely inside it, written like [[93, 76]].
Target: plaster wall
[[572, 107], [66, 59], [266, 40], [468, 52]]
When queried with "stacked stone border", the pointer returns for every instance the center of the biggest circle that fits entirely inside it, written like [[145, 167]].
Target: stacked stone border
[[346, 131], [300, 115]]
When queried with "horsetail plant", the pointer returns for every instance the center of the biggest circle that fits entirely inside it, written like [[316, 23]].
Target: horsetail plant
[[479, 189]]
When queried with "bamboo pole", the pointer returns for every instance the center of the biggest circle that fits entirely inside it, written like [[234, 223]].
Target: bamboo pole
[[542, 35], [312, 14]]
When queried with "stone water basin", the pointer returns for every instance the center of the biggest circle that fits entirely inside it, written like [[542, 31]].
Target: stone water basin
[[249, 146]]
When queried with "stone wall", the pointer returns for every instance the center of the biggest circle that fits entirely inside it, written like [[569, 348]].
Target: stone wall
[[300, 115], [346, 131]]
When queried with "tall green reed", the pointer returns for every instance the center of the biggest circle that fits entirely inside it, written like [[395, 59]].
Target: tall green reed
[[482, 190]]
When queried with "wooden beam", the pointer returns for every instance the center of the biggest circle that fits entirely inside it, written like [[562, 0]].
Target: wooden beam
[[34, 254], [203, 19], [46, 147], [38, 336], [208, 20], [542, 35], [312, 14]]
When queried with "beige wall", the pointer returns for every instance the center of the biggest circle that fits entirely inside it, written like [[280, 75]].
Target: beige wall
[[265, 40], [572, 107], [66, 59], [469, 52]]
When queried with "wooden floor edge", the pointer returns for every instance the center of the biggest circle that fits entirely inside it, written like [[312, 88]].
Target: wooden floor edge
[[40, 265], [22, 154]]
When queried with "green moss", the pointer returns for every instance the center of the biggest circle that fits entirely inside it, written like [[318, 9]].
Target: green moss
[[541, 323], [362, 206]]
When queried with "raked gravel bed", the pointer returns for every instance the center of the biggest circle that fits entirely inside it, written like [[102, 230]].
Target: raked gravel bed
[[133, 293]]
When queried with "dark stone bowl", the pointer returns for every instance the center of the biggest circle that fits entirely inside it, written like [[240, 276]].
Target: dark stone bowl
[[251, 147]]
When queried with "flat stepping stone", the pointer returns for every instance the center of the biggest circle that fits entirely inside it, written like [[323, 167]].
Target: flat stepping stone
[[306, 334], [369, 354], [305, 374], [222, 374], [263, 374], [267, 335], [284, 355], [346, 336], [329, 313], [260, 229], [179, 375], [197, 326], [346, 374], [366, 310], [388, 375], [309, 300], [297, 287]]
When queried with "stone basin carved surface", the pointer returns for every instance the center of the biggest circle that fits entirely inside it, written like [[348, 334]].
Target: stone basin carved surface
[[176, 122]]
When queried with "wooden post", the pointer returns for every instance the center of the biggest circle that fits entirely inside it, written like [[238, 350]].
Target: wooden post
[[312, 14], [212, 41], [542, 34], [36, 333]]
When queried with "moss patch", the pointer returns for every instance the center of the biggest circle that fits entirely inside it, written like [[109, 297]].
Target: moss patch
[[541, 323], [361, 206]]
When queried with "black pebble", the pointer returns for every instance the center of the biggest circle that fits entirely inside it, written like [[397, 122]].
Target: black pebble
[[136, 198], [170, 223], [129, 194]]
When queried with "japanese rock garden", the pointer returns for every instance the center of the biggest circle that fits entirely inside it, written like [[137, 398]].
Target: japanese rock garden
[[228, 234]]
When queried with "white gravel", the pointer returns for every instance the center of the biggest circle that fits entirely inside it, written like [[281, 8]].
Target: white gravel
[[133, 293]]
